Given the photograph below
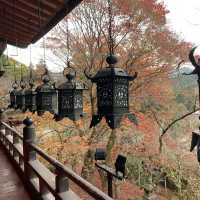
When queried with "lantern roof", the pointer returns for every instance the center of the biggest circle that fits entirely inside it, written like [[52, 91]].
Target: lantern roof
[[24, 22], [45, 87], [110, 72], [70, 85]]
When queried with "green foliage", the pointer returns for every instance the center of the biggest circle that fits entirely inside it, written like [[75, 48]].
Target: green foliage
[[149, 104], [187, 101], [68, 133], [140, 173], [8, 65]]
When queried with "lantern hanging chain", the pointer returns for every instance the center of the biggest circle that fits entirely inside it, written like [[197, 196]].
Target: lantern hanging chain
[[1, 64], [21, 74], [40, 27], [110, 28], [44, 51], [30, 67], [15, 77], [14, 23], [68, 48]]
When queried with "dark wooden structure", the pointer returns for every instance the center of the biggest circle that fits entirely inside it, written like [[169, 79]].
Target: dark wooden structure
[[41, 182], [12, 187], [25, 21]]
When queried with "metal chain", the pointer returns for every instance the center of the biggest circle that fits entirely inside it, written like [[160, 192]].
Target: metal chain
[[15, 76], [44, 51], [40, 27], [111, 40], [30, 66], [68, 48]]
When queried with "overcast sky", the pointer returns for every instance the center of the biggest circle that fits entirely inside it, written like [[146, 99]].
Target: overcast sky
[[183, 18]]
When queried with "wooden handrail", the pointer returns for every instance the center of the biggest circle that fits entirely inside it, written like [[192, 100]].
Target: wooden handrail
[[88, 187], [13, 130], [25, 157]]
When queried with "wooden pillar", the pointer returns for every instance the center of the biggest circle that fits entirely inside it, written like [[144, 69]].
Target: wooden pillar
[[2, 132], [29, 153], [2, 127], [110, 184], [15, 143], [62, 183]]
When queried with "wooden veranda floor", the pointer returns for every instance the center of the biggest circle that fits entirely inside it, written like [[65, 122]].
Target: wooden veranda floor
[[11, 187]]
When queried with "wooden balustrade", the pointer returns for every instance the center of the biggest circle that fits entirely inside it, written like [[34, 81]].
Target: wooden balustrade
[[39, 180]]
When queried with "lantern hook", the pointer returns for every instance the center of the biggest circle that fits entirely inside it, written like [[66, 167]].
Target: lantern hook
[[45, 76], [31, 80], [88, 76], [70, 75], [15, 85], [135, 75], [22, 82]]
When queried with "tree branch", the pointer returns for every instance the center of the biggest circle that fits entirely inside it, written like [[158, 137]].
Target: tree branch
[[164, 131]]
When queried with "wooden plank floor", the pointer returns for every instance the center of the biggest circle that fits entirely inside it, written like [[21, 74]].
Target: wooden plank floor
[[11, 188]]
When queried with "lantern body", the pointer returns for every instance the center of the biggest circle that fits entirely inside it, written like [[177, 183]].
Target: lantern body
[[20, 100], [70, 100], [46, 98], [112, 95], [30, 100], [13, 98]]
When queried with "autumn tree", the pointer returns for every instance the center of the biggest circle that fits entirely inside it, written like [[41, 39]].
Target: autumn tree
[[143, 43]]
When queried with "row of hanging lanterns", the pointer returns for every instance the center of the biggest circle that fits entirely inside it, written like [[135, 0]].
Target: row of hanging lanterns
[[66, 100]]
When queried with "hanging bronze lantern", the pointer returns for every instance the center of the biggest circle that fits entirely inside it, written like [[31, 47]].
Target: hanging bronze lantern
[[30, 97], [20, 97], [13, 93], [47, 96], [112, 87], [30, 94], [112, 93], [70, 98]]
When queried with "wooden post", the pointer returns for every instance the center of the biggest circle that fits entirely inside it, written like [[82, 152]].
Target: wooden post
[[43, 189], [15, 142], [29, 153], [62, 183], [110, 186], [2, 128], [2, 132]]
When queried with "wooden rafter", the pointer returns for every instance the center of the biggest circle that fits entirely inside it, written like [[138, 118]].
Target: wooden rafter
[[27, 21]]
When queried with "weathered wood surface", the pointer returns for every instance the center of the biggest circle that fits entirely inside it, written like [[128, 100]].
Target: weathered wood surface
[[11, 187]]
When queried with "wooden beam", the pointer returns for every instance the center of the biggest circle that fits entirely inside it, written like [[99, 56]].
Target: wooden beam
[[67, 8], [54, 3], [25, 13], [45, 8], [18, 36], [10, 40], [18, 25], [4, 12], [6, 28], [24, 18]]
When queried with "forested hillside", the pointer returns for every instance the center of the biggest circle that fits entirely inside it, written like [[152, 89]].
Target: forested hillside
[[158, 162]]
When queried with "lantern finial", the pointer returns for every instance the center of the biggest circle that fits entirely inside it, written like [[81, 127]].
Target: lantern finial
[[111, 59]]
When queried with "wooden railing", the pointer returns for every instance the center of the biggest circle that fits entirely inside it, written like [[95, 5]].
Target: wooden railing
[[39, 180]]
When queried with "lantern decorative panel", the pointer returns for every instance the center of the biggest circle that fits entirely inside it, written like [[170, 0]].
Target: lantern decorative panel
[[13, 93], [70, 98], [47, 96], [112, 93], [30, 98], [20, 97]]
